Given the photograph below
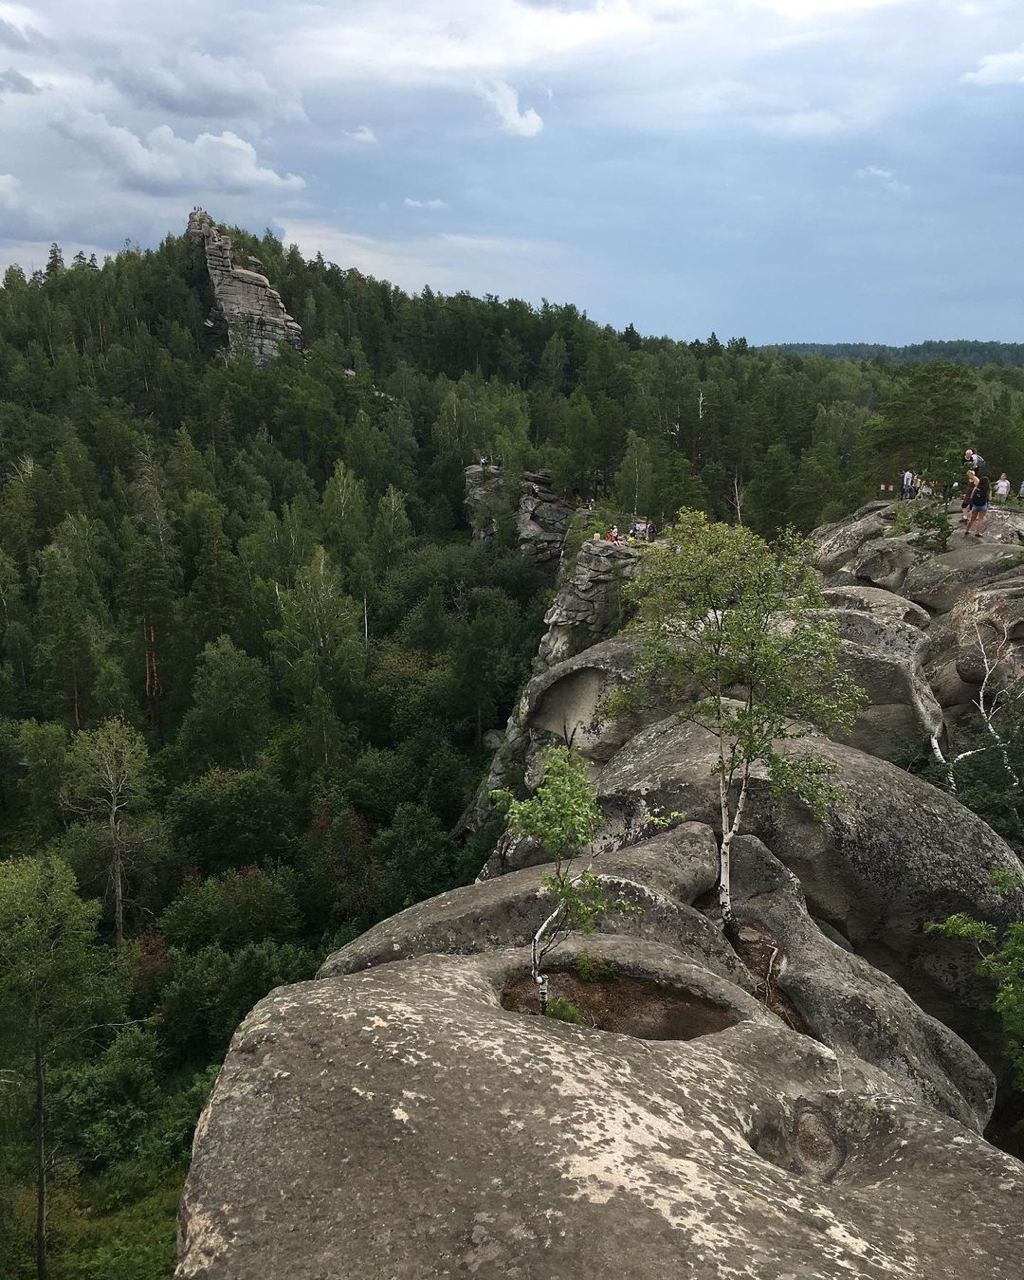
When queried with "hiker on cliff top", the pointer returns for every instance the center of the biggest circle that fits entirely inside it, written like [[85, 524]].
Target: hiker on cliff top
[[979, 505]]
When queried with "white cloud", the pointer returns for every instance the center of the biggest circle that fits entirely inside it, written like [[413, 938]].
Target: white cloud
[[998, 68], [505, 101], [424, 204], [10, 188], [199, 85], [363, 135], [162, 162], [884, 178]]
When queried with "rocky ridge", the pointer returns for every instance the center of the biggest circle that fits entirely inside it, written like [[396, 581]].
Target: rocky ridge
[[257, 322], [807, 1105]]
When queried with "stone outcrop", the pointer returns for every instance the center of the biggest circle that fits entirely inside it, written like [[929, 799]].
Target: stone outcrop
[[257, 323], [541, 517], [809, 1103]]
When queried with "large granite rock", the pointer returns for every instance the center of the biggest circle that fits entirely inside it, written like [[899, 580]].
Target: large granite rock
[[542, 516], [255, 317], [894, 853], [402, 1124]]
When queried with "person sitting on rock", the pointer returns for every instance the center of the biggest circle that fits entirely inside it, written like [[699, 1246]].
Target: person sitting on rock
[[974, 460], [979, 505]]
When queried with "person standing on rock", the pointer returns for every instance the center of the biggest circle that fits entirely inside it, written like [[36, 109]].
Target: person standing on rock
[[965, 501], [907, 487], [1002, 488], [979, 505]]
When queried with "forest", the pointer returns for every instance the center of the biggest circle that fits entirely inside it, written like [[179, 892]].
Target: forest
[[250, 648]]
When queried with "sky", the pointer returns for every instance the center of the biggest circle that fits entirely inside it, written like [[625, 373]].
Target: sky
[[782, 170]]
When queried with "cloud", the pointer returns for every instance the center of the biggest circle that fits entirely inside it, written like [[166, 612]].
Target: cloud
[[424, 204], [505, 101], [364, 135], [12, 81], [202, 86], [998, 68], [164, 163], [23, 38], [884, 178], [448, 262], [10, 189]]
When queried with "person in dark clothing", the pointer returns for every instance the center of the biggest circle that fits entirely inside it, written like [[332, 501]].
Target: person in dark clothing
[[979, 505]]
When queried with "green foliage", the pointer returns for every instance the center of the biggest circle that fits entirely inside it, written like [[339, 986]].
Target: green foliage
[[563, 813], [593, 969], [562, 1008], [1001, 951]]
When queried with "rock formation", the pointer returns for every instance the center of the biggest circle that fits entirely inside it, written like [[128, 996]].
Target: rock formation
[[541, 518], [808, 1104], [257, 323]]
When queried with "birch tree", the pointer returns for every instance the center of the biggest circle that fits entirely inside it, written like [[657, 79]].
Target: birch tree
[[985, 630], [105, 784], [731, 635]]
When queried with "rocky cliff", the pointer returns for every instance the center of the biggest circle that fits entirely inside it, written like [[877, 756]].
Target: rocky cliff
[[805, 1105], [541, 515], [256, 321]]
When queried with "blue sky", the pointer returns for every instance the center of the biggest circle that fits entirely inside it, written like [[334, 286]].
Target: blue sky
[[788, 170]]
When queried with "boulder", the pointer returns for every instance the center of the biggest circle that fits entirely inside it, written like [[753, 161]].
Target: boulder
[[881, 562], [847, 1003], [837, 543], [412, 1122], [938, 581], [660, 876], [885, 605], [894, 853]]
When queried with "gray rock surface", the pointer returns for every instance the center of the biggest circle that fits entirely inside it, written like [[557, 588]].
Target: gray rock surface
[[257, 322], [542, 516], [401, 1124]]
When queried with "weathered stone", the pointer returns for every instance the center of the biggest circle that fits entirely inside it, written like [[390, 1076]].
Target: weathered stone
[[939, 581], [257, 323], [895, 853], [589, 603], [837, 543], [542, 517], [401, 1124], [882, 604]]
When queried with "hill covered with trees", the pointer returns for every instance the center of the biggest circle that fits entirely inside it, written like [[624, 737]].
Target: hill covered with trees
[[249, 648], [967, 351]]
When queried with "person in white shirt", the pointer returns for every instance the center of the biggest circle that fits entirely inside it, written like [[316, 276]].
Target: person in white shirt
[[907, 490], [1002, 487]]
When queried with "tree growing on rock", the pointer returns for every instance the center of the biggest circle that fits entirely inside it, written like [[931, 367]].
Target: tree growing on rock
[[984, 629], [732, 634], [563, 815]]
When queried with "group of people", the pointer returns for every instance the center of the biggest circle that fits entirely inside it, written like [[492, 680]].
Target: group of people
[[639, 531], [979, 493]]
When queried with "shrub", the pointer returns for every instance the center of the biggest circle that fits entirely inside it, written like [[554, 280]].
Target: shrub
[[562, 1008]]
